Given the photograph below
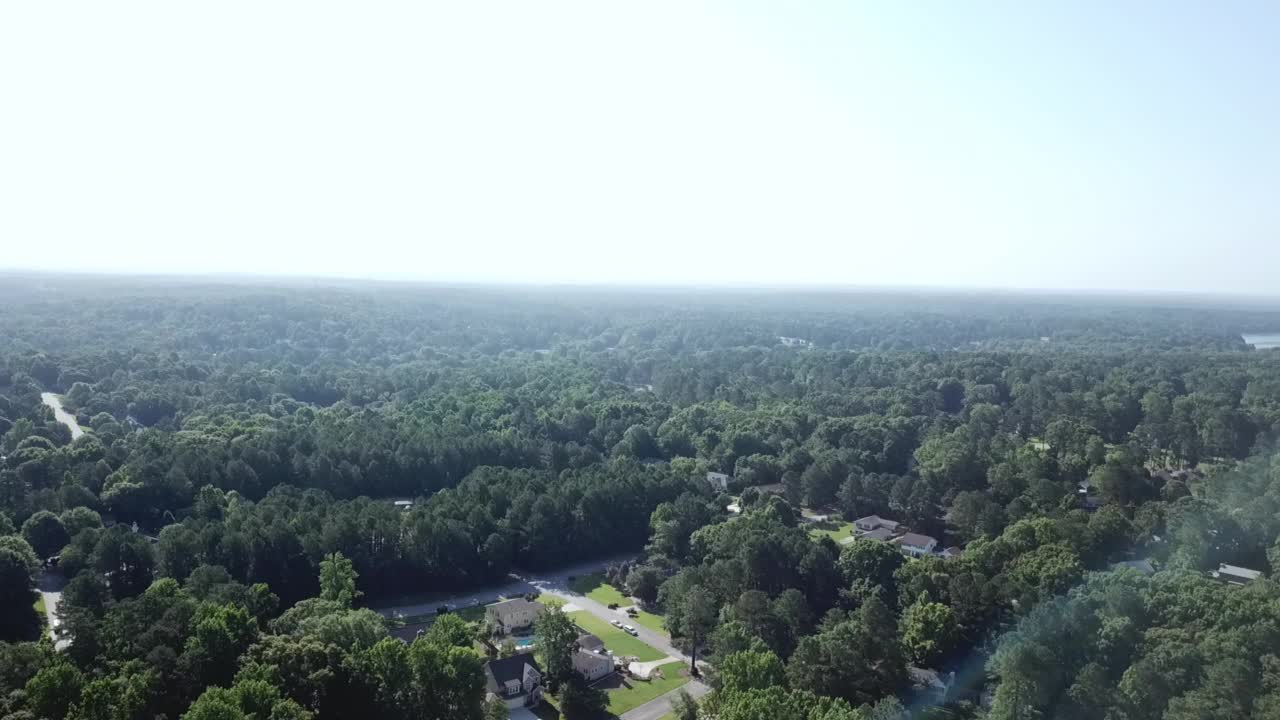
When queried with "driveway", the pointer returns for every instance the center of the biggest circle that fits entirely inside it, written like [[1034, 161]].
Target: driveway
[[522, 714], [50, 586]]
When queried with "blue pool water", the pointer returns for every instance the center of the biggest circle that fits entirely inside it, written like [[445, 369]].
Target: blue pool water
[[524, 642]]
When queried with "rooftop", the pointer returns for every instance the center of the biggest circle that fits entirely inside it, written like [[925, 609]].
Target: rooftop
[[514, 605], [497, 673], [916, 540]]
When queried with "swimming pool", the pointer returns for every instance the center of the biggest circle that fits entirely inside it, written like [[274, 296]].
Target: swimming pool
[[524, 642]]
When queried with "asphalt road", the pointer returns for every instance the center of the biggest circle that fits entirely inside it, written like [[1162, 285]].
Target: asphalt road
[[519, 585]]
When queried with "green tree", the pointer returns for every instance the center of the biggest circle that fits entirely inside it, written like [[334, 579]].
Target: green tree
[[749, 670], [45, 532], [52, 690], [698, 620], [450, 629], [929, 631], [338, 579], [557, 637], [578, 701]]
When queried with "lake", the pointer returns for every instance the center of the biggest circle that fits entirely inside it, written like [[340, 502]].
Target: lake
[[1263, 341]]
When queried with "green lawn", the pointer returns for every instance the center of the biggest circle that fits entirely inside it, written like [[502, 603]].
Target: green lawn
[[614, 638], [625, 693], [634, 693], [654, 622], [594, 587], [836, 530]]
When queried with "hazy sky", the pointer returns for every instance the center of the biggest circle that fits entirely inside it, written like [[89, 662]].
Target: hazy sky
[[1081, 144]]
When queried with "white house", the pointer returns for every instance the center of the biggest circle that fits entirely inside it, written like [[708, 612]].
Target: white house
[[916, 545], [512, 615], [719, 481], [874, 522], [516, 680], [592, 665]]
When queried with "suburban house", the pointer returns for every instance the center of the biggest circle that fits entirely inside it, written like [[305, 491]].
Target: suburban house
[[590, 643], [516, 680], [916, 545], [881, 534], [592, 665], [1235, 575], [719, 481], [874, 522], [512, 615], [951, 552]]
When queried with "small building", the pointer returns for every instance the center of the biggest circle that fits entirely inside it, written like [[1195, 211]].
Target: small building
[[516, 680], [1235, 575], [881, 534], [592, 665], [719, 481], [951, 552], [874, 522], [512, 615], [590, 643], [916, 545], [403, 504]]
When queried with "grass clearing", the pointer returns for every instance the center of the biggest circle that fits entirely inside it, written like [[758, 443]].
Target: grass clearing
[[834, 529], [614, 638], [594, 587], [627, 693], [469, 614]]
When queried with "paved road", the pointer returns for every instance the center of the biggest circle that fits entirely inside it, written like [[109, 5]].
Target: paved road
[[654, 639], [660, 706], [518, 586]]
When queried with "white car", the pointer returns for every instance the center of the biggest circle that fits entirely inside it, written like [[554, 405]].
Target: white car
[[630, 630], [616, 623]]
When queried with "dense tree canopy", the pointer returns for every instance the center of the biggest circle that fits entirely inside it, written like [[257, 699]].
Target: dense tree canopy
[[229, 508]]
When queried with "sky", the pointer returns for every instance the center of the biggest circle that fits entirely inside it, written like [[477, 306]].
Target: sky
[[1064, 145]]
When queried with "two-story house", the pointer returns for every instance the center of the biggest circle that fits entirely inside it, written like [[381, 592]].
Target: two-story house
[[516, 680], [512, 615], [916, 545]]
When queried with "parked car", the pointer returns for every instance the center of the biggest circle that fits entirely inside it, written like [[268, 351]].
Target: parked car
[[613, 606], [630, 630], [616, 623]]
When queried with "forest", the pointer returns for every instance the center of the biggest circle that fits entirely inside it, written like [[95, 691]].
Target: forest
[[226, 520]]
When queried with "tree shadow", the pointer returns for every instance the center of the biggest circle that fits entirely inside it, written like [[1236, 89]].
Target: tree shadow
[[22, 624]]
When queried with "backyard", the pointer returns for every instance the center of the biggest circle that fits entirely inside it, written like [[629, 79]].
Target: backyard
[[835, 529], [626, 693]]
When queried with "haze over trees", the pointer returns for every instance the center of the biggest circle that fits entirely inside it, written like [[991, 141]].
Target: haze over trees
[[258, 437]]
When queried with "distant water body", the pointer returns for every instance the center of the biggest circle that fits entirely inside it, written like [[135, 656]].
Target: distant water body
[[1263, 341]]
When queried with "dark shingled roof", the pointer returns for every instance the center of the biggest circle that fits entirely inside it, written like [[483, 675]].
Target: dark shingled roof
[[498, 672]]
